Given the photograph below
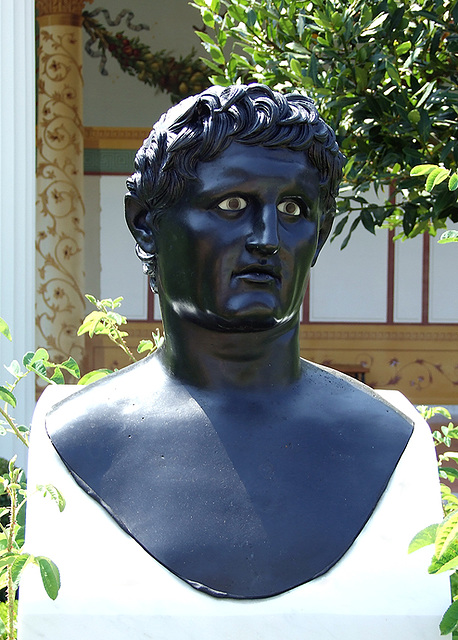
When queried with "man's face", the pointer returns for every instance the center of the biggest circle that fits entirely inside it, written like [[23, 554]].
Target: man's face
[[235, 252]]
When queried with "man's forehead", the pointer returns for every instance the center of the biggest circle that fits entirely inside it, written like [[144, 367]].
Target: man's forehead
[[242, 160]]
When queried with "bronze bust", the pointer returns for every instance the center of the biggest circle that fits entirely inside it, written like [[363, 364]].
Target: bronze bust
[[224, 453]]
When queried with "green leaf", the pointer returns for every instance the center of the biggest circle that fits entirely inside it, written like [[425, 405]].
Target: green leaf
[[428, 412], [49, 575], [54, 493], [205, 37], [450, 472], [313, 69], [20, 514], [446, 534], [18, 567], [368, 221], [71, 366], [300, 24], [372, 28], [436, 177], [91, 323], [453, 182], [39, 369], [208, 18], [361, 77], [93, 376], [145, 345], [20, 537], [449, 620], [7, 396], [422, 169], [91, 299], [296, 67], [403, 48], [5, 330], [250, 18], [14, 369], [424, 126], [393, 73], [7, 559], [39, 355], [339, 228], [2, 624], [449, 236], [216, 54], [423, 538], [354, 224], [57, 377], [443, 565], [27, 358], [116, 317]]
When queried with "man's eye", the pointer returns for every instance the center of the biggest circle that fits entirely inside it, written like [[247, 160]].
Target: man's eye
[[289, 207], [233, 204]]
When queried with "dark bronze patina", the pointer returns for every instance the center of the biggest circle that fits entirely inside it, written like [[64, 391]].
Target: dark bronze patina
[[243, 469]]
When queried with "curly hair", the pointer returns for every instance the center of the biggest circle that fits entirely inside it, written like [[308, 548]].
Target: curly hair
[[200, 127]]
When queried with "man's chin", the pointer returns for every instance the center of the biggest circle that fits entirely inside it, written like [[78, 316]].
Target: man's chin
[[251, 320], [245, 322], [247, 325]]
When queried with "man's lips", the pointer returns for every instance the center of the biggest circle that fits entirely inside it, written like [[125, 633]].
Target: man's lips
[[259, 273]]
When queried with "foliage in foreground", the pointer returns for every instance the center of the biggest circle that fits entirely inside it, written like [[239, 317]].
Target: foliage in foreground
[[384, 75], [444, 535], [13, 560], [4, 616]]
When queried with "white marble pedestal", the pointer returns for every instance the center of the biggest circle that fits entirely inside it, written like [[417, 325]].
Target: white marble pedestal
[[113, 590]]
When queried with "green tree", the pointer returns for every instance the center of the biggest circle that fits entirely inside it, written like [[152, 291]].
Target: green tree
[[384, 75]]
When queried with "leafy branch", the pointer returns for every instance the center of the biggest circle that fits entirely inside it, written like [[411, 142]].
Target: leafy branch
[[444, 535], [384, 76], [12, 560], [104, 321]]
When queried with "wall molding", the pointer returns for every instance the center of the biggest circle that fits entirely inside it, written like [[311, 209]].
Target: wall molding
[[114, 137]]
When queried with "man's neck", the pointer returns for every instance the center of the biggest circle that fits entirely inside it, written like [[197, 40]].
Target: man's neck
[[237, 360]]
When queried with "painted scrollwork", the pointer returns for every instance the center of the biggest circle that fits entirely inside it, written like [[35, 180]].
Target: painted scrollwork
[[420, 374], [60, 206]]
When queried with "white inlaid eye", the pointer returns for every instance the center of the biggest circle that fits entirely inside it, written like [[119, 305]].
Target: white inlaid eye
[[290, 207], [234, 203]]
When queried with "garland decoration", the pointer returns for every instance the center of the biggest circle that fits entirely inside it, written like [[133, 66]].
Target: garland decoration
[[180, 77]]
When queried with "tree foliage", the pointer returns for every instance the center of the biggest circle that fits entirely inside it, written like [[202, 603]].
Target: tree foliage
[[384, 75]]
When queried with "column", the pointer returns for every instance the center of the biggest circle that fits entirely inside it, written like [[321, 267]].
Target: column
[[60, 206], [17, 202]]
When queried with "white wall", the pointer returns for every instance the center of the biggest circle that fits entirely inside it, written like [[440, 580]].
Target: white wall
[[350, 285], [443, 287], [121, 273], [408, 273]]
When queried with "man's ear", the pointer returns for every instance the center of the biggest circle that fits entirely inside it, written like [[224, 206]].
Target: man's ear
[[139, 222], [325, 229]]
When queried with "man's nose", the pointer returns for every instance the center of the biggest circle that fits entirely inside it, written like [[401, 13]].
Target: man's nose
[[263, 237]]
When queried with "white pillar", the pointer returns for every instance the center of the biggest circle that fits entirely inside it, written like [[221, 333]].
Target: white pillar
[[17, 200]]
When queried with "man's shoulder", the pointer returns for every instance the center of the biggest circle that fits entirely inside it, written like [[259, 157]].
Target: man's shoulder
[[103, 404], [349, 400]]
